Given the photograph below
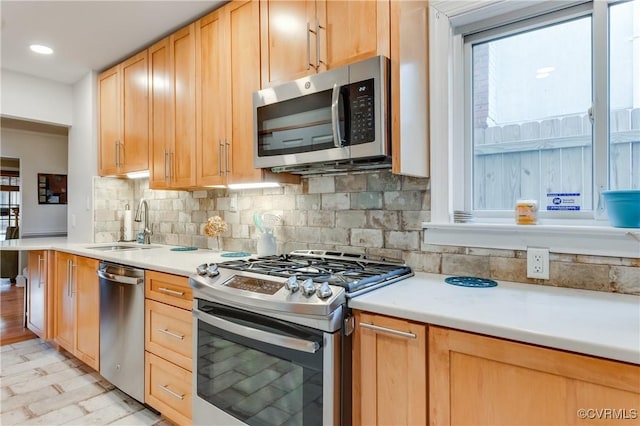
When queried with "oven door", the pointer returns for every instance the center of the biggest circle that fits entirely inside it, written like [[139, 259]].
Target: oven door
[[256, 370]]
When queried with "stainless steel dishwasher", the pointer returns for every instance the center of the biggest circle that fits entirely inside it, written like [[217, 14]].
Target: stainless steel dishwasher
[[122, 327]]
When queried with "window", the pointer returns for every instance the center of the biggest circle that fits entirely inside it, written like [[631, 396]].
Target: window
[[532, 128], [577, 51]]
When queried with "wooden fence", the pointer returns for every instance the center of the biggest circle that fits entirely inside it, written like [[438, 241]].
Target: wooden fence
[[529, 160]]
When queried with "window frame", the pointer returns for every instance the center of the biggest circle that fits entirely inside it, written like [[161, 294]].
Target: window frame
[[584, 235], [598, 144]]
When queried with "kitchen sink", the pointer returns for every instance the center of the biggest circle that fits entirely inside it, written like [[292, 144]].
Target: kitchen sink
[[121, 247]]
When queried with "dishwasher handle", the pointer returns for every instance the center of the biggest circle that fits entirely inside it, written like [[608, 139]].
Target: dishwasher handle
[[102, 273]]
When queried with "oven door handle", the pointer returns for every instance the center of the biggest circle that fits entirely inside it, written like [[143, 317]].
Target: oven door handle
[[294, 343]]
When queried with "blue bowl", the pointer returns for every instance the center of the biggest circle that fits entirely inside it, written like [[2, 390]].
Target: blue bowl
[[623, 207]]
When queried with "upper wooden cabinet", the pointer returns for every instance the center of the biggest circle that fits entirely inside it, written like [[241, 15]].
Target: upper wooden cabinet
[[389, 371], [228, 72], [123, 117], [304, 37], [211, 98], [481, 380], [410, 87], [172, 124]]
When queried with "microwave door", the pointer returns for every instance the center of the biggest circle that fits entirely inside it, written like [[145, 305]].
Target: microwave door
[[300, 130]]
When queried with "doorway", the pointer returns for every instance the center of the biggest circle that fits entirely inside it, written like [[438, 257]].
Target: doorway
[[12, 296]]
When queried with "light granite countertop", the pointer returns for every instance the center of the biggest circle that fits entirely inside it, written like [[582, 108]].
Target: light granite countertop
[[595, 323]]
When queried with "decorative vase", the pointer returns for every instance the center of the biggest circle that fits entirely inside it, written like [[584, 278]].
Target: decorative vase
[[214, 243]]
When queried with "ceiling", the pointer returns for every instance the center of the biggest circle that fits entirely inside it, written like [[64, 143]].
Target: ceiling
[[86, 35]]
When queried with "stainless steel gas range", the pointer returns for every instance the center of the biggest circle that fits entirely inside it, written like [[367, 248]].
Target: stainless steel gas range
[[272, 339]]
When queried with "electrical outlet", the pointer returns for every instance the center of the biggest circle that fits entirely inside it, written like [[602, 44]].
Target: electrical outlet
[[538, 263], [233, 203]]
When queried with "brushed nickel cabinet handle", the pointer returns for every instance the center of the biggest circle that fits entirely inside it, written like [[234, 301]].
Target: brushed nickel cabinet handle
[[73, 283], [308, 46], [219, 157], [171, 292], [170, 392], [226, 157], [40, 269], [388, 330], [317, 44], [166, 331]]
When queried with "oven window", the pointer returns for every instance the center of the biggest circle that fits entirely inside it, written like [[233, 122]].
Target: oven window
[[256, 382]]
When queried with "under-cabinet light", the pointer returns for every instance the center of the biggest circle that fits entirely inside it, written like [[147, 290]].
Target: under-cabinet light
[[253, 185], [138, 175]]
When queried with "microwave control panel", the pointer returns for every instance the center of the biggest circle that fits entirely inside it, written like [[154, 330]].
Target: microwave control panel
[[361, 97]]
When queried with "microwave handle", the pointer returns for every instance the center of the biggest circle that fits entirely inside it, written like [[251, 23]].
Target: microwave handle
[[335, 117]]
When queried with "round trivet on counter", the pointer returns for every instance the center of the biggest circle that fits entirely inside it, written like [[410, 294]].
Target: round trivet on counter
[[471, 282]]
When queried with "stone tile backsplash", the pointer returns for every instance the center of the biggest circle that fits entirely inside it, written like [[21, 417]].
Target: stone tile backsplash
[[375, 213]]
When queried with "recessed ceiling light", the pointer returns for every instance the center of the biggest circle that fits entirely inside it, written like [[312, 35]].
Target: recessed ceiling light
[[39, 48], [544, 72]]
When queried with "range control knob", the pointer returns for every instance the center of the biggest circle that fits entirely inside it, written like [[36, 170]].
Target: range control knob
[[202, 269], [324, 291], [308, 287], [292, 284], [212, 270]]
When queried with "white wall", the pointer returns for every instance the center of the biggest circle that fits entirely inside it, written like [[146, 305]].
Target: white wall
[[83, 159], [35, 99], [38, 153]]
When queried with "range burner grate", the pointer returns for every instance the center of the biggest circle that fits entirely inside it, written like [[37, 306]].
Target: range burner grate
[[353, 272]]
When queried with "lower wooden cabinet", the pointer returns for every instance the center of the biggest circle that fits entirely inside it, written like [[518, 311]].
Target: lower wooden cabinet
[[168, 389], [462, 378], [77, 307], [389, 371], [482, 380], [168, 345]]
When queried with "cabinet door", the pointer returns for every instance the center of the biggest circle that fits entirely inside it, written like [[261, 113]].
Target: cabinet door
[[410, 87], [389, 371], [288, 46], [183, 107], [159, 102], [87, 293], [134, 152], [108, 122], [211, 98], [65, 301], [37, 293], [481, 380], [244, 62], [351, 31]]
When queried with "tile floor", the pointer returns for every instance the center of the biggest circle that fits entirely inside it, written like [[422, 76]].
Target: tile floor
[[41, 386]]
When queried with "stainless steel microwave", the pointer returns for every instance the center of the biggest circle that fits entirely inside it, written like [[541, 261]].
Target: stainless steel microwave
[[334, 120]]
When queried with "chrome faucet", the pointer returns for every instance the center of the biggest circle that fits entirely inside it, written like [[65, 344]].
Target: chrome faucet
[[147, 231]]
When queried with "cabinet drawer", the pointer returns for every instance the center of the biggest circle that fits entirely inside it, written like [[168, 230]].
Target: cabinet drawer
[[166, 288], [168, 333], [167, 388]]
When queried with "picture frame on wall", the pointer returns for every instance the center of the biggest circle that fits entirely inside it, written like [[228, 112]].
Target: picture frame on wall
[[52, 188]]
